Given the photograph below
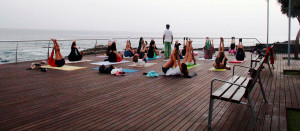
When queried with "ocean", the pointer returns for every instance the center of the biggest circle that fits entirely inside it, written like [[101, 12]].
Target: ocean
[[38, 50]]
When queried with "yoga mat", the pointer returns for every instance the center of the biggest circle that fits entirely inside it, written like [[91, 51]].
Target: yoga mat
[[146, 65], [236, 61], [191, 75], [124, 70], [72, 62], [214, 69], [154, 58], [65, 67], [169, 59], [102, 56], [129, 70], [192, 66], [202, 58], [108, 63], [128, 57]]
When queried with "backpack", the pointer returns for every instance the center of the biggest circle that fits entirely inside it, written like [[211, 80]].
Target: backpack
[[105, 70]]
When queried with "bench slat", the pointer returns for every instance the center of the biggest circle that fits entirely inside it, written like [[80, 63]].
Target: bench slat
[[223, 88], [240, 92], [227, 95]]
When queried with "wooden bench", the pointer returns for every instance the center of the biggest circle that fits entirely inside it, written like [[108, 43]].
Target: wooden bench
[[237, 88]]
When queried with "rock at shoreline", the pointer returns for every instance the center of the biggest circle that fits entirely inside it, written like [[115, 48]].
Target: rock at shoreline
[[99, 49]]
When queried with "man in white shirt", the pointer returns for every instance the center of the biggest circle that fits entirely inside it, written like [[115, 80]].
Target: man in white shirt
[[168, 40]]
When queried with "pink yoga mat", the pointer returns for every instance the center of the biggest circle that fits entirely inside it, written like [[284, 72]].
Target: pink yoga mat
[[236, 61]]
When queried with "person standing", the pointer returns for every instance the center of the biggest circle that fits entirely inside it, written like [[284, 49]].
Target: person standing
[[167, 41]]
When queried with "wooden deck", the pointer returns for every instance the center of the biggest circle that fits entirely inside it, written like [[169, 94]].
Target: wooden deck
[[86, 100]]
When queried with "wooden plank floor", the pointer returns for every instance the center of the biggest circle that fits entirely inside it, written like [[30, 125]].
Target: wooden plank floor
[[86, 100]]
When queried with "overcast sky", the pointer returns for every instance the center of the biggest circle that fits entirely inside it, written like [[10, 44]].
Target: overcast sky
[[244, 18]]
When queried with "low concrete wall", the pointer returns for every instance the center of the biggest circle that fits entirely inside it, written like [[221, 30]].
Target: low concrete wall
[[280, 47]]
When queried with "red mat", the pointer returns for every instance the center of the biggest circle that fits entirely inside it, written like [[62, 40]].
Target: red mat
[[236, 61]]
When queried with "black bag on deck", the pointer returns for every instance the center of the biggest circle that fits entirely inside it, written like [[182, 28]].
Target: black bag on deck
[[105, 70]]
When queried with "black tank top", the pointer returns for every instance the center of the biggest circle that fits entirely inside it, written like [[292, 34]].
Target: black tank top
[[232, 46]]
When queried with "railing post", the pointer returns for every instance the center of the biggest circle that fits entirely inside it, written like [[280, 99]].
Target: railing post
[[95, 48], [48, 50], [17, 52]]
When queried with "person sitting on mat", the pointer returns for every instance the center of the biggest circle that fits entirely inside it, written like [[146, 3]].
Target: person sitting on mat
[[183, 51], [113, 56], [189, 56], [240, 55], [139, 62], [175, 62], [59, 61], [141, 48], [232, 50], [152, 50], [75, 55], [209, 49], [108, 48], [129, 51], [221, 60]]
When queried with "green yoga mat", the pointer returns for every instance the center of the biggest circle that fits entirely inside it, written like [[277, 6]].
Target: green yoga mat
[[192, 66], [214, 69]]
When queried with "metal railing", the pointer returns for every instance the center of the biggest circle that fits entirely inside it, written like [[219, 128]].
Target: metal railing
[[106, 39]]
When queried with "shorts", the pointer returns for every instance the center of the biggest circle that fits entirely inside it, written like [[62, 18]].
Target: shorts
[[165, 69], [128, 53], [60, 63], [141, 55]]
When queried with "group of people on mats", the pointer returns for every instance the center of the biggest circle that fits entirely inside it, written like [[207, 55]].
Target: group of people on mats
[[144, 50], [189, 58]]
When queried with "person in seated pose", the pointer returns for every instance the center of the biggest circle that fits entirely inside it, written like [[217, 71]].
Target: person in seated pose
[[189, 56], [75, 55], [59, 61], [108, 48], [141, 48], [113, 56], [209, 49], [175, 62], [129, 51], [221, 60], [240, 55], [139, 62], [232, 50], [152, 50]]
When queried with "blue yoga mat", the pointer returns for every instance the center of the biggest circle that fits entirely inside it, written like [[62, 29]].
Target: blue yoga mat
[[129, 70], [153, 58], [124, 70]]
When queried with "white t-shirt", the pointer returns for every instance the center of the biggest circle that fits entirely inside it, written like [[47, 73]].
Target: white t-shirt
[[140, 62], [168, 35], [173, 72]]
